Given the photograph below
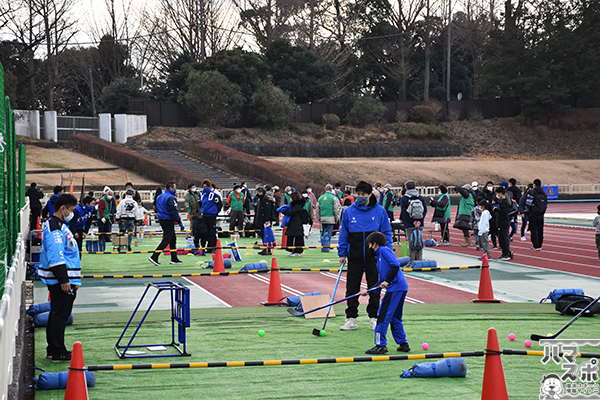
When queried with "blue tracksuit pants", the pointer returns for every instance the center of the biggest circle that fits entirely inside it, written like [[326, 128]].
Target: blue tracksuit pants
[[390, 313]]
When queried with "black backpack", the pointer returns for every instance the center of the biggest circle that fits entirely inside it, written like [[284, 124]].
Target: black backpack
[[572, 304], [539, 204]]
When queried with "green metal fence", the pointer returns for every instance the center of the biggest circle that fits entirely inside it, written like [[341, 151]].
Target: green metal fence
[[12, 184]]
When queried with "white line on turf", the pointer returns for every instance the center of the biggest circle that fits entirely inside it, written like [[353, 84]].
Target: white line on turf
[[283, 287], [208, 293]]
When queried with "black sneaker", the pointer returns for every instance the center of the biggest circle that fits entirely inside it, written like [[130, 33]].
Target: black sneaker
[[153, 261], [263, 253], [377, 350], [63, 357], [176, 262], [404, 347]]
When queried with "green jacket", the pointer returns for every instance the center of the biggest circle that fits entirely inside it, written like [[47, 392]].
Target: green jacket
[[465, 206], [389, 200], [107, 206], [192, 201], [327, 208], [236, 201], [447, 209]]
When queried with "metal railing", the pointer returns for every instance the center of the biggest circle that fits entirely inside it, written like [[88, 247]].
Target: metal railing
[[578, 188], [10, 306], [69, 126]]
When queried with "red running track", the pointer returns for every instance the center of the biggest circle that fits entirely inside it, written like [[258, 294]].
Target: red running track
[[565, 248], [251, 290]]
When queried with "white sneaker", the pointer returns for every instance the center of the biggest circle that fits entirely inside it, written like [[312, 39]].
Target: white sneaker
[[373, 323], [523, 239], [349, 325]]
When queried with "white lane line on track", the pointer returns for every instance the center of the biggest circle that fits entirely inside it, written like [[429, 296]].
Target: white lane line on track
[[593, 251], [208, 293], [364, 285], [283, 287]]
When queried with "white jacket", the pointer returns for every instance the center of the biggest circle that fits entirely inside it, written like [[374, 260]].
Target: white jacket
[[127, 208]]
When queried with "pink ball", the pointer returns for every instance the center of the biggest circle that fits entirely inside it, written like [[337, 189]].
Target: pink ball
[[528, 343], [425, 346], [512, 336]]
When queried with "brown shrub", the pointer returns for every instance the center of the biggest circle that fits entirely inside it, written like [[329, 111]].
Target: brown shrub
[[148, 166], [422, 114]]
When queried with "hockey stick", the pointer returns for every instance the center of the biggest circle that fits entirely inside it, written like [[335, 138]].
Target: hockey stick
[[296, 313], [538, 337], [316, 331]]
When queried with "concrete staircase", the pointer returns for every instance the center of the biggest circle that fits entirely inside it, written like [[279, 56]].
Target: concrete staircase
[[217, 175]]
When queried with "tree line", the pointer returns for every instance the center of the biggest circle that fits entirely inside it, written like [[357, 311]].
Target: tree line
[[255, 52]]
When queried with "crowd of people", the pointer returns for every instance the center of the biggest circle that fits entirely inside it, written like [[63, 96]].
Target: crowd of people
[[363, 220]]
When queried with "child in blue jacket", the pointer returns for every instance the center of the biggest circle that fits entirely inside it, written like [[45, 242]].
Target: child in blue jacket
[[392, 279]]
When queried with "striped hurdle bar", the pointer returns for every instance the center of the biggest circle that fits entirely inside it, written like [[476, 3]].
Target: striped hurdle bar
[[403, 269], [253, 271], [211, 248], [309, 361]]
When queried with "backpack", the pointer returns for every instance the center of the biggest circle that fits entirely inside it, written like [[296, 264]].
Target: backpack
[[513, 210], [538, 206], [415, 208], [416, 240], [557, 293], [219, 202], [572, 304]]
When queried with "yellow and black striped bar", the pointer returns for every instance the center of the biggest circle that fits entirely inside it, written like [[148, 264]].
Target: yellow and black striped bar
[[310, 269], [440, 268], [284, 362], [183, 275], [211, 248], [539, 353], [179, 232], [403, 269]]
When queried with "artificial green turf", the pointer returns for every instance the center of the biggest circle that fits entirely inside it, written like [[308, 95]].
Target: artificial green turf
[[111, 264], [231, 335]]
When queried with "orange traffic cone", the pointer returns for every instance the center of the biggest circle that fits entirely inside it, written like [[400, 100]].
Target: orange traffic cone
[[218, 265], [38, 229], [76, 383], [284, 237], [494, 385], [275, 293], [486, 293]]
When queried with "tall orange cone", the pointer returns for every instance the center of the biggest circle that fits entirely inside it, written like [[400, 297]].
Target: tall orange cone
[[284, 237], [494, 385], [218, 265], [38, 229], [486, 293], [275, 293], [76, 383]]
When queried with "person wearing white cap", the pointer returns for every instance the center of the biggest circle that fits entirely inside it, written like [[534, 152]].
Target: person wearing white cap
[[475, 187]]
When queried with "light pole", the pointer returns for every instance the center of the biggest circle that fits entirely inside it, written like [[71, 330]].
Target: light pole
[[141, 65], [448, 50]]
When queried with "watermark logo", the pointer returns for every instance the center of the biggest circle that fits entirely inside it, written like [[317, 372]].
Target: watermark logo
[[578, 381]]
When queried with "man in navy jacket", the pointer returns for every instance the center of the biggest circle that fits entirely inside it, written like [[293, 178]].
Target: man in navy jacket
[[168, 215]]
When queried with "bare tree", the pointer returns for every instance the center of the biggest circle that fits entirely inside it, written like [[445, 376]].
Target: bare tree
[[57, 29]]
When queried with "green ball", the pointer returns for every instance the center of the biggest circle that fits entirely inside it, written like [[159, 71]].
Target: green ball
[[261, 333], [322, 333]]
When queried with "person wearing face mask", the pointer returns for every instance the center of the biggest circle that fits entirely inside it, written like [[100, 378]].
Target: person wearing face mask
[[104, 218], [413, 212], [209, 208], [167, 214], [490, 196], [359, 220], [247, 196], [192, 198], [463, 213], [60, 270], [126, 212], [287, 197], [327, 214], [82, 220], [313, 202], [442, 213], [388, 201], [236, 201]]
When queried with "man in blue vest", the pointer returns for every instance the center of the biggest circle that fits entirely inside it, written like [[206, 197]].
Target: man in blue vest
[[82, 220], [60, 269], [168, 215]]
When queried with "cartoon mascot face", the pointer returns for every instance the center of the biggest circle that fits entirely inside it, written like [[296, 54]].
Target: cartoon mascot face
[[551, 387]]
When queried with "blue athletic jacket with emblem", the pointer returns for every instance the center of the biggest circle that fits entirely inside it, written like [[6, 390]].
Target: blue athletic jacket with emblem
[[356, 224], [166, 207], [59, 260], [389, 270], [82, 218]]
